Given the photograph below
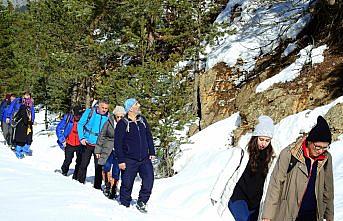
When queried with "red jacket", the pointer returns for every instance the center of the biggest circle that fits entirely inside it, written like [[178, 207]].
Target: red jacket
[[73, 137]]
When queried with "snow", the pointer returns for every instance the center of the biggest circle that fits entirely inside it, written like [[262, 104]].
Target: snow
[[306, 56], [31, 190], [289, 49], [317, 54], [257, 31], [289, 73]]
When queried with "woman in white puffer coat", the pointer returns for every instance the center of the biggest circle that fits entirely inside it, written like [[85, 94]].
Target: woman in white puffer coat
[[241, 184]]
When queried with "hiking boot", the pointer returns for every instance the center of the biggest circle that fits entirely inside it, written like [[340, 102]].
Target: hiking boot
[[18, 152], [26, 150], [141, 206], [106, 190], [113, 193]]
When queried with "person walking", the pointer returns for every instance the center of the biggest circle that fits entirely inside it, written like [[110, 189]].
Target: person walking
[[88, 128], [68, 140], [6, 127], [241, 184], [301, 185], [134, 149], [13, 109], [104, 151], [22, 122]]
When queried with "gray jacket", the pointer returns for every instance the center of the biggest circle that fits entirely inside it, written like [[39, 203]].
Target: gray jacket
[[105, 142]]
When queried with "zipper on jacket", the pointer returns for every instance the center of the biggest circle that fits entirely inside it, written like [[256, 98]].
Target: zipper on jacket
[[100, 124], [140, 143]]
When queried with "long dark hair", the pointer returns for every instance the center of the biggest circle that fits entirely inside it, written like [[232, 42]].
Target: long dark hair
[[254, 154]]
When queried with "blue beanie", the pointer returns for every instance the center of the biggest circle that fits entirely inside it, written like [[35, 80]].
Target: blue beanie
[[129, 103]]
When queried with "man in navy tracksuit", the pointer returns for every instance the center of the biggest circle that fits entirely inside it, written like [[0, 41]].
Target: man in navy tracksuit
[[134, 150]]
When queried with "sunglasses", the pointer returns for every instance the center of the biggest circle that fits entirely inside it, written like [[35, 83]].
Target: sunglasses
[[320, 148], [119, 117]]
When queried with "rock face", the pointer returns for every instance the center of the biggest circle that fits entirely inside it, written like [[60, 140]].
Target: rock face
[[316, 86], [335, 120], [217, 94]]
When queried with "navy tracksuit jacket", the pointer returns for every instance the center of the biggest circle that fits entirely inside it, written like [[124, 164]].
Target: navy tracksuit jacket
[[133, 145]]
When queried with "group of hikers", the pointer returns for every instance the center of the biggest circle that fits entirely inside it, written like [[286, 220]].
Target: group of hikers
[[120, 142], [300, 187], [17, 116]]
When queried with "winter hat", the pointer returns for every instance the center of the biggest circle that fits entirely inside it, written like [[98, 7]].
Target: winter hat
[[320, 132], [8, 97], [77, 111], [265, 127], [129, 103], [119, 109], [27, 102]]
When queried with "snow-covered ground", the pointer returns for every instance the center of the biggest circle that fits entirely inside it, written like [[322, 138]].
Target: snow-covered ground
[[31, 190]]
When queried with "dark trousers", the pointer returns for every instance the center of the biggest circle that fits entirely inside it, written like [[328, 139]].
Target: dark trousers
[[69, 155], [311, 216], [87, 152], [146, 172], [7, 131], [241, 212]]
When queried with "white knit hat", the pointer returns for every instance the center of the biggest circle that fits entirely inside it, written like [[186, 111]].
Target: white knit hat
[[118, 110], [265, 127]]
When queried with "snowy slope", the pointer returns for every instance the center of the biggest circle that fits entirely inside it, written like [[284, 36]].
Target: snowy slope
[[32, 191], [257, 30]]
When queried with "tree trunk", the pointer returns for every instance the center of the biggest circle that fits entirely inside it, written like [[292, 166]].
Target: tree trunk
[[46, 117], [88, 93], [74, 96]]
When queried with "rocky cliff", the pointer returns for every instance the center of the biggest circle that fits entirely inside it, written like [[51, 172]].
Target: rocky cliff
[[317, 84]]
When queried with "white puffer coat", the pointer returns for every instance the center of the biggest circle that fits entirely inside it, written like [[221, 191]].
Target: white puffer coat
[[229, 176]]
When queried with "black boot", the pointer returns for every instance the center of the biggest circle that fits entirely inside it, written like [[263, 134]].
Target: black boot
[[141, 206], [107, 189], [113, 192]]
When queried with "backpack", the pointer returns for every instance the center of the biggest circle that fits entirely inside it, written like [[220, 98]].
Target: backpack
[[17, 119], [28, 113], [69, 116], [292, 163], [88, 118]]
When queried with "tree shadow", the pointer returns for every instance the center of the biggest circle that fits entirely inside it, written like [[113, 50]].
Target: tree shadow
[[335, 85]]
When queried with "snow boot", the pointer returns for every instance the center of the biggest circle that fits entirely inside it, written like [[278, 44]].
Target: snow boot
[[27, 151], [107, 189], [113, 192], [141, 206], [19, 152]]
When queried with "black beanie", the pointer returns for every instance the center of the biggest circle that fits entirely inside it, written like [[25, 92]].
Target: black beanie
[[320, 132], [77, 111]]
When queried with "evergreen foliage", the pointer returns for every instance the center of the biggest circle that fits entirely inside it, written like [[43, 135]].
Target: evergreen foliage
[[72, 51]]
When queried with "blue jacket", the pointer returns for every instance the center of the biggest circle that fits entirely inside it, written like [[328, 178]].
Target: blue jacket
[[133, 140], [3, 110], [90, 129], [64, 128], [14, 107]]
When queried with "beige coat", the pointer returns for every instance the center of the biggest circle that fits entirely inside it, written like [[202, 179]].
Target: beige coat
[[285, 191]]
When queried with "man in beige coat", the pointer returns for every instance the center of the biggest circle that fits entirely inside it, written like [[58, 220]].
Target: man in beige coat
[[301, 185]]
